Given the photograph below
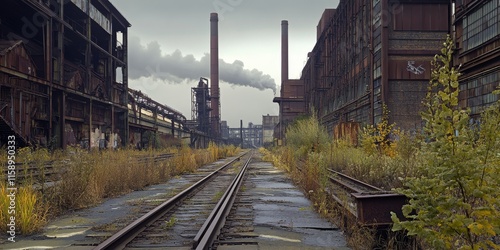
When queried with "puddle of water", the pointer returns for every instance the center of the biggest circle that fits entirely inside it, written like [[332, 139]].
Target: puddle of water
[[35, 247], [274, 237], [66, 234], [273, 185], [285, 199], [71, 222]]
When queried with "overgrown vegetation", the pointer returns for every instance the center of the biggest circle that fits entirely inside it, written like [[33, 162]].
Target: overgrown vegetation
[[377, 139], [310, 152], [85, 178], [449, 171], [455, 203]]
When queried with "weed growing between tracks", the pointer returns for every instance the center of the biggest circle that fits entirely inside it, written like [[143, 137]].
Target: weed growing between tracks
[[170, 223], [85, 178]]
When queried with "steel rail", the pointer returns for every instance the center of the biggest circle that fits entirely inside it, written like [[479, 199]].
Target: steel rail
[[369, 204], [120, 239], [206, 236], [354, 185]]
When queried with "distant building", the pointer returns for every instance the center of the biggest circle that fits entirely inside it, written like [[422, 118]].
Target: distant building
[[224, 130], [250, 137], [269, 122]]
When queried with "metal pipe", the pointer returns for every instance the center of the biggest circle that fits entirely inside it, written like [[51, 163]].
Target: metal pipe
[[12, 119]]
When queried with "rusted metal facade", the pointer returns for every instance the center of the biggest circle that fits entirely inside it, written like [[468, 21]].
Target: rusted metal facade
[[477, 40], [58, 80], [371, 52]]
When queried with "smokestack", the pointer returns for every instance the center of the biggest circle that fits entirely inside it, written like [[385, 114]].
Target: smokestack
[[214, 73], [284, 51]]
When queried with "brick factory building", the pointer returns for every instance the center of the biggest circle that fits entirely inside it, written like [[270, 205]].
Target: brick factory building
[[370, 53], [269, 122], [373, 52]]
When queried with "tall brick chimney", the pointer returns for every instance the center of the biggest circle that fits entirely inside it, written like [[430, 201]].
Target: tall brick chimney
[[214, 74]]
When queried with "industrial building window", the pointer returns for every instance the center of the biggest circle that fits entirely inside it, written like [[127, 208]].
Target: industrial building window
[[481, 25], [478, 91], [377, 65], [377, 23]]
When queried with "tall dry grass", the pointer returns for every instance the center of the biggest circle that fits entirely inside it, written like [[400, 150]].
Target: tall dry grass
[[380, 170], [310, 151], [85, 178], [27, 206], [30, 212]]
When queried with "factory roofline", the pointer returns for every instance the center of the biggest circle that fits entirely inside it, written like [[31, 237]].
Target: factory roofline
[[119, 15]]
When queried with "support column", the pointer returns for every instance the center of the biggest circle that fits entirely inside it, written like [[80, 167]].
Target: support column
[[20, 110], [90, 124], [173, 127], [12, 116], [371, 67], [384, 81], [63, 121], [125, 86], [112, 136], [49, 71]]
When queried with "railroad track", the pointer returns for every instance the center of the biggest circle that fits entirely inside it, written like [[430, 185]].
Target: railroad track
[[369, 204], [157, 158], [208, 233], [183, 221]]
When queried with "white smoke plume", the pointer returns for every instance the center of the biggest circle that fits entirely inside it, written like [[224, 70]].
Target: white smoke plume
[[148, 61]]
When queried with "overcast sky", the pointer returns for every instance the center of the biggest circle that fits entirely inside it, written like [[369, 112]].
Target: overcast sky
[[169, 45]]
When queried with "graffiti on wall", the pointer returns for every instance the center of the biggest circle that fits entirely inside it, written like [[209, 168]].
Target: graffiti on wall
[[413, 69]]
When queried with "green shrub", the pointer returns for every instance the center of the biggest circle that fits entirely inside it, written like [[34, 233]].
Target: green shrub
[[455, 204]]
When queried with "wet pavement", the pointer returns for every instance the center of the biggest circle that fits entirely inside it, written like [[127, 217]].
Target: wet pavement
[[281, 217]]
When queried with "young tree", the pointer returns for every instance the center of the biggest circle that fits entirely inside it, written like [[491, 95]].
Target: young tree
[[455, 204], [377, 139]]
